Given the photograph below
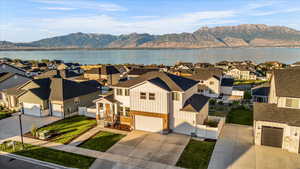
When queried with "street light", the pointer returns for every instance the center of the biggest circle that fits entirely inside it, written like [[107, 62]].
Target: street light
[[21, 130]]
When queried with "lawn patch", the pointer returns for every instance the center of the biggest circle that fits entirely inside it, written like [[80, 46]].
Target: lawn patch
[[102, 141], [69, 128], [50, 155], [240, 115], [4, 114], [196, 155]]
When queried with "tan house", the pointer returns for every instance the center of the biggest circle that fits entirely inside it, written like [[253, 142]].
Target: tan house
[[277, 123], [156, 102], [54, 96], [241, 73], [109, 75]]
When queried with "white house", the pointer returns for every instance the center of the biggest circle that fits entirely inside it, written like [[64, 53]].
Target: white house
[[277, 123], [155, 102]]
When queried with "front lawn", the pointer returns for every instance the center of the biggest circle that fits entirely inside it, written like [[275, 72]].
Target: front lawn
[[4, 114], [69, 128], [196, 155], [246, 82], [50, 155], [102, 141], [240, 115]]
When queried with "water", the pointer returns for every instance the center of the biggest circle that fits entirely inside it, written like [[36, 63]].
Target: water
[[161, 56]]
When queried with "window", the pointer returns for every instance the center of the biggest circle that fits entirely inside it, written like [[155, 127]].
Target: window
[[175, 96], [126, 92], [292, 103], [151, 96], [142, 95], [127, 111], [119, 92]]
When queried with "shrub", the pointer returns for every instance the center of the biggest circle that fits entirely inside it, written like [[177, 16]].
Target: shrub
[[212, 102], [33, 130]]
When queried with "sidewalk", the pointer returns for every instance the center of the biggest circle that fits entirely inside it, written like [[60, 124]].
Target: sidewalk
[[121, 161], [92, 132]]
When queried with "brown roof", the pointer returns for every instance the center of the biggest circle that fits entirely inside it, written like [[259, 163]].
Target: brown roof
[[271, 113], [174, 83], [204, 74], [287, 82], [140, 71]]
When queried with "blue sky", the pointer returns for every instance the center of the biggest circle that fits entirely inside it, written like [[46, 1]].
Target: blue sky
[[29, 20]]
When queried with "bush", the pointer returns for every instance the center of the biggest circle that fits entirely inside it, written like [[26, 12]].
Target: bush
[[212, 123], [212, 102], [220, 103]]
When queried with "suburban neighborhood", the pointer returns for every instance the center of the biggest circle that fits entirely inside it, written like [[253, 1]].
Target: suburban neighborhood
[[189, 115]]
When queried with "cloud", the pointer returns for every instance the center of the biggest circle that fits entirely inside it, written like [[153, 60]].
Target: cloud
[[58, 8], [81, 4], [273, 12]]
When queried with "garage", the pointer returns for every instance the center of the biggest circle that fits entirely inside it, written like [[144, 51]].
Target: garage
[[146, 123], [272, 136], [57, 110], [32, 109]]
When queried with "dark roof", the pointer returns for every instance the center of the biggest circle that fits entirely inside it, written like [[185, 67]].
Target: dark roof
[[61, 73], [271, 113], [140, 71], [175, 83], [110, 98], [195, 103], [13, 67], [228, 82], [261, 90], [42, 93], [157, 81], [108, 70], [287, 82], [62, 89], [5, 75], [206, 73]]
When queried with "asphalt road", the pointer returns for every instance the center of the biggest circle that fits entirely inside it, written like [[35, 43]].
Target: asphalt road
[[11, 163]]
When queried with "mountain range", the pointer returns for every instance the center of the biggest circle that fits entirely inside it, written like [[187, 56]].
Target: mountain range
[[247, 35]]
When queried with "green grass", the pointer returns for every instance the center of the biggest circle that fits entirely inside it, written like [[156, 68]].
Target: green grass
[[196, 155], [240, 115], [244, 82], [102, 141], [51, 155], [69, 128], [4, 114]]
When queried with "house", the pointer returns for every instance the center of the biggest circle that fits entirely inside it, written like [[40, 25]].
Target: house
[[209, 81], [277, 123], [66, 74], [9, 80], [109, 75], [54, 96], [71, 66], [137, 72], [241, 73], [260, 93], [12, 69], [227, 86], [155, 102], [296, 64]]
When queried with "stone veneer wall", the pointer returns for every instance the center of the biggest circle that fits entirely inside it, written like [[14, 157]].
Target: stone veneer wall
[[291, 135]]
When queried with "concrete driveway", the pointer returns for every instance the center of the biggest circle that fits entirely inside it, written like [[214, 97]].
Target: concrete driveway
[[9, 127], [235, 150], [165, 149]]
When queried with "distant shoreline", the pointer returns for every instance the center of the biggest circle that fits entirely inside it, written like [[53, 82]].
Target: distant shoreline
[[52, 49]]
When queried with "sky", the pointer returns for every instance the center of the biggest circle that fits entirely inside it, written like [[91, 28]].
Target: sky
[[30, 20]]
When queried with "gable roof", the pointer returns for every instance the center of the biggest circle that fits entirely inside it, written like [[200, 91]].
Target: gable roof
[[272, 113], [206, 73], [140, 71], [21, 70], [195, 103], [108, 70], [287, 82]]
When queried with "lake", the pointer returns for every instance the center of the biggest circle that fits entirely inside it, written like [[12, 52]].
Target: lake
[[161, 56]]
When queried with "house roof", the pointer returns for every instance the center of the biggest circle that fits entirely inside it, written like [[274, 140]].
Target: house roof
[[287, 82], [5, 75], [206, 73], [158, 82], [228, 82], [13, 67], [272, 113], [195, 103], [108, 70], [63, 73], [62, 89], [174, 83], [261, 90], [140, 71]]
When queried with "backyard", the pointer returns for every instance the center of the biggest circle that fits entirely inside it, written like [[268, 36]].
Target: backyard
[[240, 115], [102, 141], [50, 155], [196, 155], [70, 128]]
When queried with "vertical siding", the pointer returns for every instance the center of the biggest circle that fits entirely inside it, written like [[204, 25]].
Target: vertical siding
[[125, 100], [159, 105]]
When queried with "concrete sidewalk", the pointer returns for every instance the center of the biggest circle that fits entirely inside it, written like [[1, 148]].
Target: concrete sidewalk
[[118, 161]]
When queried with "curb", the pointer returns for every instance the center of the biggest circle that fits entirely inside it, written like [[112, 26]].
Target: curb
[[34, 161]]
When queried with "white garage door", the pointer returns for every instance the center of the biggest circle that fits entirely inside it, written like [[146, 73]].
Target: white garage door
[[57, 110], [145, 123], [32, 109]]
